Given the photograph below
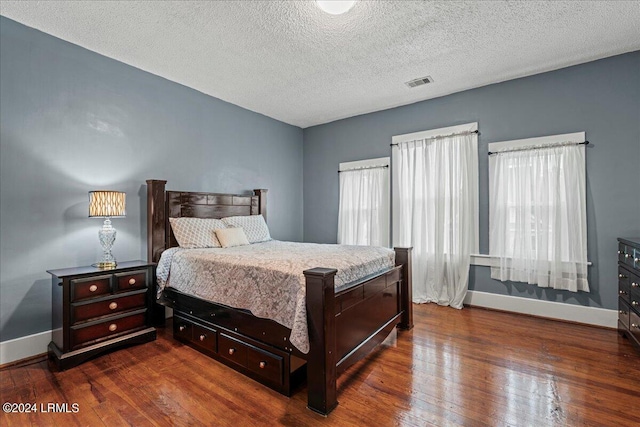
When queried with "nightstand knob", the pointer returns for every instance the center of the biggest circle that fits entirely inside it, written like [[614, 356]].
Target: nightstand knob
[[202, 337], [182, 328], [113, 327], [627, 255], [232, 350], [263, 364], [622, 276], [132, 281], [633, 325], [93, 288], [634, 303], [623, 312], [113, 305], [621, 292], [634, 285]]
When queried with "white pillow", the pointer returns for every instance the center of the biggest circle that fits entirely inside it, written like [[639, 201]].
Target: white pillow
[[230, 237], [254, 227], [196, 232]]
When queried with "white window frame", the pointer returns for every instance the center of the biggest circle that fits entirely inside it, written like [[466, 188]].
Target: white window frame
[[485, 259], [432, 133]]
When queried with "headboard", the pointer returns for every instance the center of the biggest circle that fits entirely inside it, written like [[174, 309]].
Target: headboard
[[162, 205]]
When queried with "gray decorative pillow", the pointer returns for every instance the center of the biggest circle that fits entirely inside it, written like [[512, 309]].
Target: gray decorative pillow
[[254, 227], [196, 232]]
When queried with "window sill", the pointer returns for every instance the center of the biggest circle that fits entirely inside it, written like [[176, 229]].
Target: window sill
[[485, 260]]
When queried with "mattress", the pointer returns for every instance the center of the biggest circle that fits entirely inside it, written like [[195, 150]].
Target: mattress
[[267, 278]]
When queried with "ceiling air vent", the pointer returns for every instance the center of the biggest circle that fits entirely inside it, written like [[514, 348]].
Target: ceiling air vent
[[419, 82]]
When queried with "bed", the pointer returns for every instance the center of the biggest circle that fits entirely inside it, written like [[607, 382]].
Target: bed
[[347, 315]]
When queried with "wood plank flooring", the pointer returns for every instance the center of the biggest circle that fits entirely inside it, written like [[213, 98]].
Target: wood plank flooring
[[468, 367]]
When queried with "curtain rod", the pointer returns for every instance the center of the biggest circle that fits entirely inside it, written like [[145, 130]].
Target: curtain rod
[[538, 148], [442, 136], [367, 167]]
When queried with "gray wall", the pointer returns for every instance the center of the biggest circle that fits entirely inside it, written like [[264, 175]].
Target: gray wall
[[74, 121], [601, 98]]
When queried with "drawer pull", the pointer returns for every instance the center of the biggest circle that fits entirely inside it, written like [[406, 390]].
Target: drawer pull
[[231, 351], [627, 255], [113, 327], [262, 364], [619, 252], [622, 276], [636, 259], [635, 285], [621, 292], [93, 288], [182, 328], [634, 303], [113, 305], [203, 337], [132, 281], [633, 325], [623, 312]]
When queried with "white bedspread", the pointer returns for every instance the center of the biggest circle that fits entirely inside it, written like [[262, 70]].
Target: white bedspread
[[266, 278]]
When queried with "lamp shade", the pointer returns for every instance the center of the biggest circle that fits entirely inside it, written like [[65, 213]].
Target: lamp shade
[[107, 203]]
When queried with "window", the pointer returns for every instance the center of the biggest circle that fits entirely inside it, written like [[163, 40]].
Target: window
[[363, 213], [538, 211], [435, 209]]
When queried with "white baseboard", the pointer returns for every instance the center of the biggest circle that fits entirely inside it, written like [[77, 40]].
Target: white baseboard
[[24, 347], [553, 310]]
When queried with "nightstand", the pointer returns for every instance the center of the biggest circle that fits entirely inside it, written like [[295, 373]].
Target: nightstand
[[94, 310]]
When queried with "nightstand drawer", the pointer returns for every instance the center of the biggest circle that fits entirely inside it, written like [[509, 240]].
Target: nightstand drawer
[[131, 280], [107, 329], [624, 284], [90, 287], [623, 313], [634, 325], [80, 312], [634, 289], [629, 255]]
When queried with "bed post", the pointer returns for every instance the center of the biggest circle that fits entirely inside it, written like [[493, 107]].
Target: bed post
[[321, 360], [156, 219], [403, 257], [262, 201]]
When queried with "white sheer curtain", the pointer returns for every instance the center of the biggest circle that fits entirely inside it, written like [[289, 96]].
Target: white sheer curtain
[[363, 213], [538, 224], [435, 210]]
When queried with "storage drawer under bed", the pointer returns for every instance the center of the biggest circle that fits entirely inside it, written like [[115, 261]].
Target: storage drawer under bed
[[231, 349]]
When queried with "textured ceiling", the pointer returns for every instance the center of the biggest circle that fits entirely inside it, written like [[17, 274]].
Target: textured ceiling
[[291, 61]]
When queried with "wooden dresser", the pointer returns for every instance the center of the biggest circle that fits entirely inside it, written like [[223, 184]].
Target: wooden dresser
[[94, 310], [629, 289]]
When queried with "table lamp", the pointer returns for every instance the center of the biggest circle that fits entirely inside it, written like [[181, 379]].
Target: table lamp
[[106, 204]]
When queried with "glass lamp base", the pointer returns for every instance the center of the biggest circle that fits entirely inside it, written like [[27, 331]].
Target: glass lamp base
[[107, 235], [105, 265]]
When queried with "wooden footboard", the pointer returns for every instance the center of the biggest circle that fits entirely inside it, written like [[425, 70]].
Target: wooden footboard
[[346, 326], [343, 326]]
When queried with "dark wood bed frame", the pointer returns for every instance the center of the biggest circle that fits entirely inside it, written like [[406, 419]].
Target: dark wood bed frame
[[344, 326]]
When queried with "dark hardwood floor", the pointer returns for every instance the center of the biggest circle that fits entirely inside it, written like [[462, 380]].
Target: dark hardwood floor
[[469, 367]]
